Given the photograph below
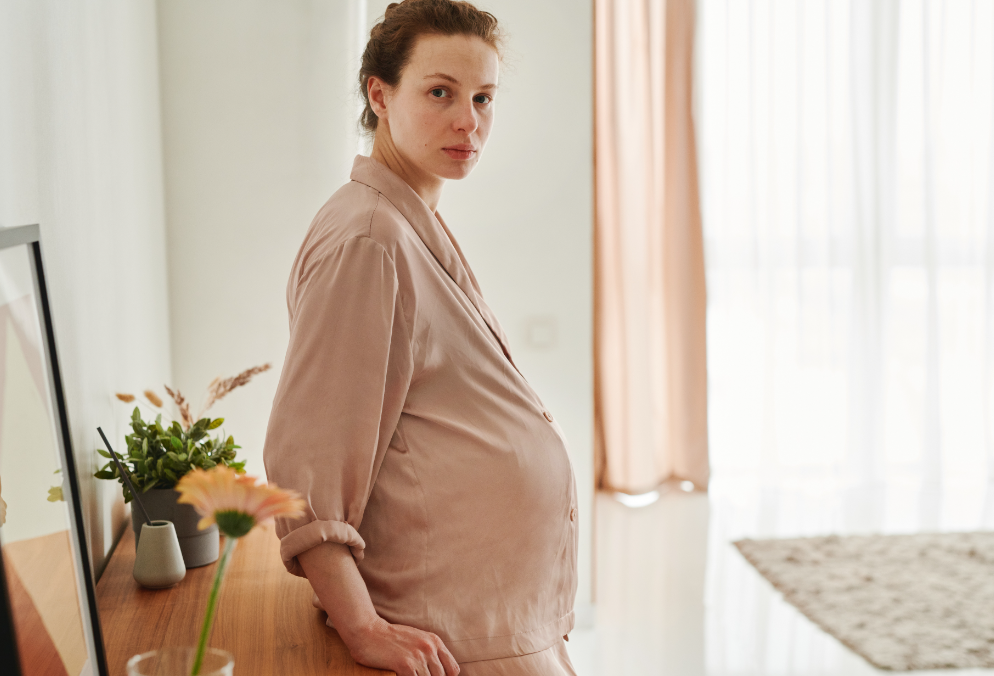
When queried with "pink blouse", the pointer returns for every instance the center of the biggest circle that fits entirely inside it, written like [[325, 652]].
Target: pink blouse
[[411, 435]]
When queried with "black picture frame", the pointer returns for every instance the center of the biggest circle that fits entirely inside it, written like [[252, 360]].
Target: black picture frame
[[9, 662], [30, 236]]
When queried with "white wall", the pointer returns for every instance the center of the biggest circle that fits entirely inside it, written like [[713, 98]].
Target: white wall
[[80, 154], [259, 111]]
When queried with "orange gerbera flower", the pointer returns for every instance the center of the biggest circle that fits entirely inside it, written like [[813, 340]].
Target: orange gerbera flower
[[234, 501]]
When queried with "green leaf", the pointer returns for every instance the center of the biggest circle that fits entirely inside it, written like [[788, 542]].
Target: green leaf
[[136, 416], [103, 453], [159, 456], [105, 474]]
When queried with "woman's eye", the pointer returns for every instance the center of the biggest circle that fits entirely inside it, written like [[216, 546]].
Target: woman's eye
[[481, 98], [438, 93]]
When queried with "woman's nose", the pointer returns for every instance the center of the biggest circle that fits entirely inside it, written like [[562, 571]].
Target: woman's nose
[[466, 120]]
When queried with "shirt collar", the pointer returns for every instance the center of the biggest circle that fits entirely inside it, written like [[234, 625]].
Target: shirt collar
[[432, 231]]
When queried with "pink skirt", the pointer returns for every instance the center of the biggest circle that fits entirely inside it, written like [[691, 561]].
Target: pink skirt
[[552, 661]]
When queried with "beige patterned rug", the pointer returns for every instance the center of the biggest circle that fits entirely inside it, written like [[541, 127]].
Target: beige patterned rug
[[903, 602]]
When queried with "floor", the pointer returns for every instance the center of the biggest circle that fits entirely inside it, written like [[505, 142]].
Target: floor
[[674, 597]]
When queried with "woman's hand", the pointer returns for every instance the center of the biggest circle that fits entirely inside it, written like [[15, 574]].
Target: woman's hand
[[404, 650], [372, 640]]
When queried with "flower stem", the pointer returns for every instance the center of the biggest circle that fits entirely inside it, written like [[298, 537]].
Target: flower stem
[[205, 631]]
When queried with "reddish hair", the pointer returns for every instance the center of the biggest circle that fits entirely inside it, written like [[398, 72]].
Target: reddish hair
[[391, 40]]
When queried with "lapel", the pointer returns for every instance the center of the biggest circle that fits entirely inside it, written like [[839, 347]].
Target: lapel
[[433, 232]]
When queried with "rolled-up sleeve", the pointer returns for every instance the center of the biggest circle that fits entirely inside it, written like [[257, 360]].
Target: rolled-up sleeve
[[344, 382]]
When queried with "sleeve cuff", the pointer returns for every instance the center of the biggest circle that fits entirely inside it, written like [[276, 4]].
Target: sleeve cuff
[[311, 535]]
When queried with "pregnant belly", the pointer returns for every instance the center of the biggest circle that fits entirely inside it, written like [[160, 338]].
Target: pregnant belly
[[472, 524], [494, 480]]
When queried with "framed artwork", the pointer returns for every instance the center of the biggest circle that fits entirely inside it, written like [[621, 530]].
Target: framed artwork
[[48, 611]]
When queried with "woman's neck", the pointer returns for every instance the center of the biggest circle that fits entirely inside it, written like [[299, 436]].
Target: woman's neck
[[427, 186]]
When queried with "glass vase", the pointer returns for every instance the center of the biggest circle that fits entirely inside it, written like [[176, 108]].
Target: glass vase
[[179, 662]]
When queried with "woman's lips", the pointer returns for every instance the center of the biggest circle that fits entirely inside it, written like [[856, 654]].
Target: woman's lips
[[460, 152]]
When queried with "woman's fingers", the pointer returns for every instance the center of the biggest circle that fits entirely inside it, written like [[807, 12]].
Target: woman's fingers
[[434, 664], [438, 658], [433, 647], [404, 650], [416, 669], [441, 659], [448, 661]]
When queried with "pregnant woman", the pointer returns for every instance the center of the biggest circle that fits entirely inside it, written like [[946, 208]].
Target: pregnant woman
[[441, 524]]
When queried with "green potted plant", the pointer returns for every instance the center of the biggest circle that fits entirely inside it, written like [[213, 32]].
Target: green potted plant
[[161, 452]]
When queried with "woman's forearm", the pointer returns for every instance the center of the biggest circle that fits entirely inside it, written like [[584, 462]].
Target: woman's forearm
[[372, 640], [335, 579]]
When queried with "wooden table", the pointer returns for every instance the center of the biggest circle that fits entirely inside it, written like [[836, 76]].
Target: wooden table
[[265, 617]]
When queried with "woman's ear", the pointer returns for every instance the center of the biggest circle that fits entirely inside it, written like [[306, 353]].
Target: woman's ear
[[377, 92]]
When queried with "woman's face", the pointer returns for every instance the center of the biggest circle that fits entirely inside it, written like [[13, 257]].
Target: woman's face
[[440, 114]]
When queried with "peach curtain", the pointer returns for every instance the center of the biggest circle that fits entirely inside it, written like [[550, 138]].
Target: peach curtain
[[650, 353]]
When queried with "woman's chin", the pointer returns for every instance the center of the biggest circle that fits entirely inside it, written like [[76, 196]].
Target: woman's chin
[[459, 173], [455, 170]]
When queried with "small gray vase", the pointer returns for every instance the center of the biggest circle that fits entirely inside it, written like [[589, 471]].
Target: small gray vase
[[199, 547], [159, 562]]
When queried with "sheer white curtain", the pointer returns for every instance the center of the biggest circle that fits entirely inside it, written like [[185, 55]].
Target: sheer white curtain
[[846, 155]]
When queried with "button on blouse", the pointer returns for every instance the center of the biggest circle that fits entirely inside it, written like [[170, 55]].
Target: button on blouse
[[402, 420]]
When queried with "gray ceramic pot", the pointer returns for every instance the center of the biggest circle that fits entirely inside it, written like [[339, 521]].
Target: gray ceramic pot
[[199, 547]]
